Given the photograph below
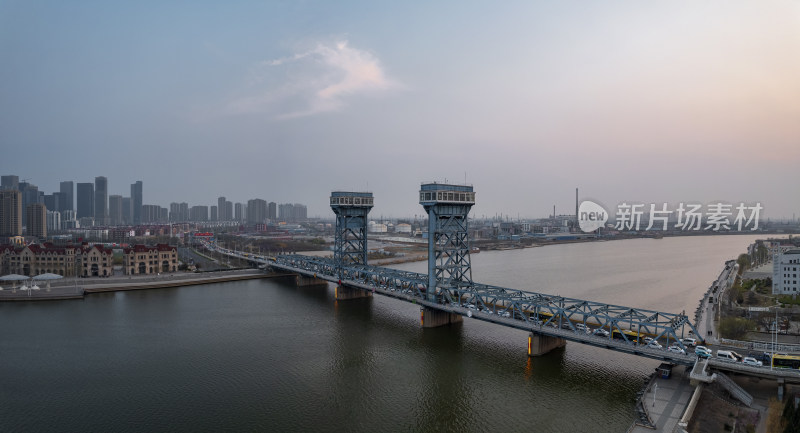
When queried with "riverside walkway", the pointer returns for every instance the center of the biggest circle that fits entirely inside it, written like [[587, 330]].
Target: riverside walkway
[[78, 288]]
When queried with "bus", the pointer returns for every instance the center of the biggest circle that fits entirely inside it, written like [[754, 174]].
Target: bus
[[786, 361], [631, 336]]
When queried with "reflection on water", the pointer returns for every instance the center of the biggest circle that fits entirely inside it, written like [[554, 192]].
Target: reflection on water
[[267, 356]]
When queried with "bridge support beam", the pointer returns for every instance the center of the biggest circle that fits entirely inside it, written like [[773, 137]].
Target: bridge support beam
[[303, 281], [540, 344], [433, 318], [781, 386], [344, 293]]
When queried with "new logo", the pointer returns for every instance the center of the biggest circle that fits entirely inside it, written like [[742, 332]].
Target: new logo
[[591, 216]]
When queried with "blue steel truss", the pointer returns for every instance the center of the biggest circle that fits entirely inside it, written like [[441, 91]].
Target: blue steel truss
[[350, 238], [449, 264], [535, 309]]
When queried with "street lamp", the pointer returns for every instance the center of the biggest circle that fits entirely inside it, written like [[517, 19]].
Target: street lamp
[[775, 339]]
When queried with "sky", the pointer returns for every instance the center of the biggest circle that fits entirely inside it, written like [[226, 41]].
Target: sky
[[630, 101]]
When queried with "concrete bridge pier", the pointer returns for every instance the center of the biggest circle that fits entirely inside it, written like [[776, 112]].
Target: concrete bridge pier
[[303, 281], [343, 293], [781, 387], [540, 344], [432, 318]]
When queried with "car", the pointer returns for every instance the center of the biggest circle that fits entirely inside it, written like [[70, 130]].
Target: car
[[702, 352], [654, 345], [601, 332], [647, 340], [764, 357], [582, 327], [676, 349], [728, 355], [751, 361], [688, 341]]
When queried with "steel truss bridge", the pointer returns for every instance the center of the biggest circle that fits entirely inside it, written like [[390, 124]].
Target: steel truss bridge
[[448, 286], [540, 313], [558, 316]]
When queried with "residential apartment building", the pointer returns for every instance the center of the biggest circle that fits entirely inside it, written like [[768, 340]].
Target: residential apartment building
[[37, 220], [10, 213]]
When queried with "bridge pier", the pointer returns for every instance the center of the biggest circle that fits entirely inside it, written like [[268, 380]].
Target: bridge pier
[[303, 281], [781, 387], [343, 293], [539, 344], [433, 318]]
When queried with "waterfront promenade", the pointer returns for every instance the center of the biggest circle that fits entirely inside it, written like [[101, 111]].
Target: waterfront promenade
[[72, 288]]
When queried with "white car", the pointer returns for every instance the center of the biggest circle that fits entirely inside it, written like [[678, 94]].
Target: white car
[[654, 345], [601, 332], [751, 361], [702, 352], [689, 341], [676, 349]]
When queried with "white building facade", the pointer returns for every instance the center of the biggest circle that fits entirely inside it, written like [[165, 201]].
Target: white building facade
[[786, 272]]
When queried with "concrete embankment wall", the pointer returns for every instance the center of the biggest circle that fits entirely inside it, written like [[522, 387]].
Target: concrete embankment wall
[[119, 287]]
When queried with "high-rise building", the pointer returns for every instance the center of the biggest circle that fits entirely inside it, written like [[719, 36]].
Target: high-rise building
[[115, 210], [101, 200], [127, 216], [37, 220], [272, 211], [52, 201], [198, 213], [10, 212], [256, 211], [9, 182], [228, 211], [150, 213], [286, 212], [179, 212], [54, 222], [68, 220], [85, 192], [300, 212], [136, 201], [30, 195], [174, 210], [221, 209], [67, 189], [237, 212]]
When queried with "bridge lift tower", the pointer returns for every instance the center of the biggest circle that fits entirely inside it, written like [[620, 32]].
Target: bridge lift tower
[[448, 241], [350, 241]]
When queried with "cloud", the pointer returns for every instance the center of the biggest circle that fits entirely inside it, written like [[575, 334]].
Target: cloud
[[311, 82]]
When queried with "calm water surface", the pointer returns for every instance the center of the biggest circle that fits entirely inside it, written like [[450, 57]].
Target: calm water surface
[[265, 356]]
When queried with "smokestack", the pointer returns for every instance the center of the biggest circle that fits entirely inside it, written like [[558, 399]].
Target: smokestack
[[576, 208], [554, 211]]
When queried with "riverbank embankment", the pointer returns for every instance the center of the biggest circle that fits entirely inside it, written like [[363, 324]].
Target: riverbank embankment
[[71, 290]]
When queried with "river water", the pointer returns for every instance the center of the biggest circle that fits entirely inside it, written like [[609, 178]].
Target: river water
[[262, 355]]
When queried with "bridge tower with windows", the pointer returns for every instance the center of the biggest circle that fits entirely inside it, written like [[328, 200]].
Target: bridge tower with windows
[[449, 265], [350, 237]]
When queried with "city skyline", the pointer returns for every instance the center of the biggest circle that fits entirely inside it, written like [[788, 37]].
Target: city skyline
[[628, 101]]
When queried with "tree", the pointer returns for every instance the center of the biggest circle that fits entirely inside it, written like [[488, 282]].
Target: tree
[[735, 327], [743, 261]]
